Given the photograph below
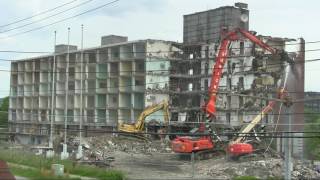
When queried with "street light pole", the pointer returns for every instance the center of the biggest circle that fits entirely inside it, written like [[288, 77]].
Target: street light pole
[[65, 154], [288, 146], [79, 155], [50, 152]]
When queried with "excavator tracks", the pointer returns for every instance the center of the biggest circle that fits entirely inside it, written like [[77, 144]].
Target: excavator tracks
[[132, 136], [209, 154]]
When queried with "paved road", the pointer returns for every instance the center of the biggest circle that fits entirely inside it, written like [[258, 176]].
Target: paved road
[[21, 178]]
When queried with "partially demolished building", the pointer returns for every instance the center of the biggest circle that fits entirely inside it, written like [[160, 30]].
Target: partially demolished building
[[249, 71]]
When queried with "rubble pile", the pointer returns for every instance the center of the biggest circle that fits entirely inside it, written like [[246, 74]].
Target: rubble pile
[[261, 169], [108, 144]]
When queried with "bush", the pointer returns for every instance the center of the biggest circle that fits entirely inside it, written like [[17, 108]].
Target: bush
[[312, 144], [4, 112]]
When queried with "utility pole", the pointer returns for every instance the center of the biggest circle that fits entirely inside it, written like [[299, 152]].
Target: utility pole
[[228, 114], [50, 152], [79, 155], [65, 154], [288, 146]]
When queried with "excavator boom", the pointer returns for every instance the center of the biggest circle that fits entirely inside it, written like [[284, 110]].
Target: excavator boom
[[139, 125], [221, 60], [254, 122]]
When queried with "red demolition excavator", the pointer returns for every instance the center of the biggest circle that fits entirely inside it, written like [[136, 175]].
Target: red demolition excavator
[[237, 147]]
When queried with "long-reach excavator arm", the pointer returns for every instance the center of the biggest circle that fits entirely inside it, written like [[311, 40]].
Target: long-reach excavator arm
[[139, 125], [282, 94], [236, 147], [254, 122], [221, 60]]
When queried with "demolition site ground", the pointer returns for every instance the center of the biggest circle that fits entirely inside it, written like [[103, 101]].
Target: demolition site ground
[[155, 160]]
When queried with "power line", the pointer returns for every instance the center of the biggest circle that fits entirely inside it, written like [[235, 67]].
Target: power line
[[56, 22], [171, 71], [89, 51], [236, 134], [42, 19], [163, 90], [27, 52], [38, 14], [97, 117], [145, 59]]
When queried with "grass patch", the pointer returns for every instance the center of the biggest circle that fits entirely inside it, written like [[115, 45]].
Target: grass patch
[[35, 174], [40, 162], [245, 178]]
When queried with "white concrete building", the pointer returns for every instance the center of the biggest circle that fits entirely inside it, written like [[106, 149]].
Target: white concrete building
[[120, 79]]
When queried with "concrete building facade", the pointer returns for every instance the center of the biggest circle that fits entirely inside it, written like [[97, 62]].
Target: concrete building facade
[[206, 26], [313, 106], [119, 79]]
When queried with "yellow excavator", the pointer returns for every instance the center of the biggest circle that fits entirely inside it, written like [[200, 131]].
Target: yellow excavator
[[138, 126]]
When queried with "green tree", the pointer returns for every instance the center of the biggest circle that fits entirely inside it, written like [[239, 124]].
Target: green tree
[[4, 112], [312, 145]]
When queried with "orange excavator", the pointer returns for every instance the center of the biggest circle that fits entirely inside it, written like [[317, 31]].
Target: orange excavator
[[237, 147]]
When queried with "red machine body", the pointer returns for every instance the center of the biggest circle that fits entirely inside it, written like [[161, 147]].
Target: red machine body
[[239, 149], [188, 144]]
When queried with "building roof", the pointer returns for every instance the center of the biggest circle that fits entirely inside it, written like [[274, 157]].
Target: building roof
[[96, 47]]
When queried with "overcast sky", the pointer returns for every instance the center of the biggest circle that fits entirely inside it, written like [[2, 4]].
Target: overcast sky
[[148, 19]]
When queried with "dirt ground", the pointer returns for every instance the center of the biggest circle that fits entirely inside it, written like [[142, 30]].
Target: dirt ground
[[156, 166]]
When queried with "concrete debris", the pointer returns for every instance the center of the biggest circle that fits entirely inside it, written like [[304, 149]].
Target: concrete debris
[[261, 169], [117, 151], [108, 144]]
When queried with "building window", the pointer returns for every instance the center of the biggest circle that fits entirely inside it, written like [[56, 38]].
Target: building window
[[240, 101], [206, 84], [162, 65], [190, 87], [207, 52], [71, 86], [190, 71], [241, 48], [115, 84], [102, 85], [241, 83], [138, 83], [206, 68], [140, 66]]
